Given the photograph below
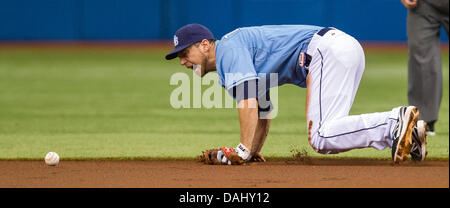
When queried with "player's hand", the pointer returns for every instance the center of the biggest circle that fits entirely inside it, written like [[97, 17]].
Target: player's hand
[[410, 4], [258, 158]]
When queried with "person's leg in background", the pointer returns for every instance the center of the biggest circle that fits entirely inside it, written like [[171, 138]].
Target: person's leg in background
[[424, 64]]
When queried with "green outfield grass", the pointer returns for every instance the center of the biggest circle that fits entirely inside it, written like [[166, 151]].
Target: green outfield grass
[[91, 104]]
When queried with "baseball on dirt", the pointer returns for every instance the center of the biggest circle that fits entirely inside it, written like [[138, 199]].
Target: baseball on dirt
[[52, 159]]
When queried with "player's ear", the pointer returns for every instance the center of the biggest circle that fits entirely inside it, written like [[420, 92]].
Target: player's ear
[[205, 45], [205, 42]]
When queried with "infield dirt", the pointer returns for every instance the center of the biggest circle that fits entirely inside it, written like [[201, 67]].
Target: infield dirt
[[318, 173]]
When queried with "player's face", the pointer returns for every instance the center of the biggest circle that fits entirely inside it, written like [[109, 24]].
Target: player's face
[[194, 55]]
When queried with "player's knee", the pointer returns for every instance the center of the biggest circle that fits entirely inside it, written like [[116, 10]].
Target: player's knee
[[318, 144]]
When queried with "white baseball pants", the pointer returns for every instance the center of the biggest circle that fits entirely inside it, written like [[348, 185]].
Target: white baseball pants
[[334, 74]]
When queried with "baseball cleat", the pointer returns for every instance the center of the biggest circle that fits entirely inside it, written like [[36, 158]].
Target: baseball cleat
[[401, 146], [430, 128], [419, 141]]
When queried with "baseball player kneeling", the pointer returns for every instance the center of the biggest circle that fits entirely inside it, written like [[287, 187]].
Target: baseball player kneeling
[[326, 61]]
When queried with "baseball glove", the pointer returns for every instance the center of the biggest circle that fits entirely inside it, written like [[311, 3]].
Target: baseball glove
[[226, 156]]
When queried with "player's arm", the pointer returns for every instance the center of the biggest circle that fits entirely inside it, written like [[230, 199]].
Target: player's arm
[[248, 119], [264, 111], [262, 129], [253, 129]]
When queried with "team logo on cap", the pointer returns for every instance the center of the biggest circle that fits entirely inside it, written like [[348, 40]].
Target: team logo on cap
[[175, 40]]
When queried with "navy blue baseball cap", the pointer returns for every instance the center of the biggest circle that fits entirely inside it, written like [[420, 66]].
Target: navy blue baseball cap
[[188, 35]]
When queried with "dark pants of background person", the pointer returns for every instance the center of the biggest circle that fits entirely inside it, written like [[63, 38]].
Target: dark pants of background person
[[424, 64]]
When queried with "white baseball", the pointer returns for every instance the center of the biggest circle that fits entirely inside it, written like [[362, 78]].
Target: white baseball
[[52, 158]]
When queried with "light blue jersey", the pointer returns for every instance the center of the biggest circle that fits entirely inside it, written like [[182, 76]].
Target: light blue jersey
[[254, 52]]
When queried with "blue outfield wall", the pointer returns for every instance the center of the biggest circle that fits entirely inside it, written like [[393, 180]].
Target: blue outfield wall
[[372, 20]]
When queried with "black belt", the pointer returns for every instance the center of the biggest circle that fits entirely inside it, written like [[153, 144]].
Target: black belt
[[306, 60], [324, 30]]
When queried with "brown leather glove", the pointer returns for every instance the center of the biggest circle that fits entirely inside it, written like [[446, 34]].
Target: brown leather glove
[[209, 157], [226, 156]]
